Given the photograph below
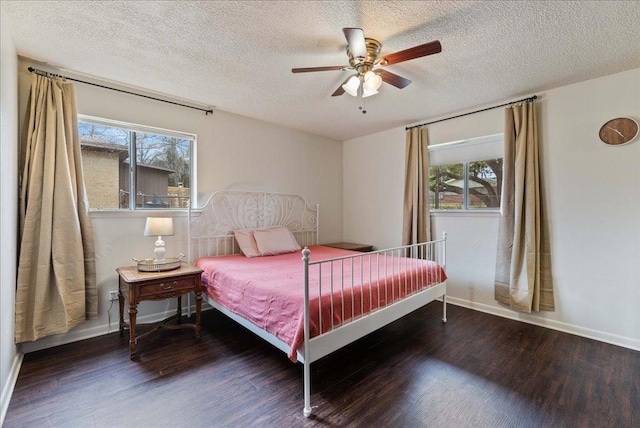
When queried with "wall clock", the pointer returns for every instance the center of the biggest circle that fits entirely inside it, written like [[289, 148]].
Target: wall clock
[[618, 131]]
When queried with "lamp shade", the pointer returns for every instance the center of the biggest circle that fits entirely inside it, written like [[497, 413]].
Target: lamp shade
[[351, 87], [366, 93], [371, 82], [158, 226]]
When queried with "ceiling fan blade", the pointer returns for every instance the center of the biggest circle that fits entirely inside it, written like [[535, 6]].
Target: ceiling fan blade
[[412, 53], [309, 69], [393, 79], [355, 40], [338, 91]]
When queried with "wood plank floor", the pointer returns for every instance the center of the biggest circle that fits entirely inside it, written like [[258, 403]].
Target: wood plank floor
[[477, 370]]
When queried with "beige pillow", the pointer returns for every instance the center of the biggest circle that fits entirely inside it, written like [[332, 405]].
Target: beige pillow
[[246, 242], [275, 240]]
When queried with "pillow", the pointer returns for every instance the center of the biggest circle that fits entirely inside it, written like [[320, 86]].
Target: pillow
[[275, 240], [246, 242]]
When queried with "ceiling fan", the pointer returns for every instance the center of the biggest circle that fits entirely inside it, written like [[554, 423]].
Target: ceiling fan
[[363, 58]]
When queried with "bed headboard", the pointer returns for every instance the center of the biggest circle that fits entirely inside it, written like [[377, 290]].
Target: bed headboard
[[211, 227]]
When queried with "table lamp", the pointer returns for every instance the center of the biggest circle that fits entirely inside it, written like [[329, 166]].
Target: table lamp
[[159, 226]]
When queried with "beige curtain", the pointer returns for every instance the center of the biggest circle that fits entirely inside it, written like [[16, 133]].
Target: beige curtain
[[523, 270], [416, 223], [56, 287]]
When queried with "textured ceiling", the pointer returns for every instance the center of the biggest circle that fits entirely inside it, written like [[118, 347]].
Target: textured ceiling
[[237, 56]]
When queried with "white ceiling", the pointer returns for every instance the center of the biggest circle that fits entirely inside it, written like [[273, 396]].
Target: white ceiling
[[238, 55]]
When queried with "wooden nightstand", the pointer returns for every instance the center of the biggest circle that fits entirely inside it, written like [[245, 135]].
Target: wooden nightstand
[[141, 286], [350, 246]]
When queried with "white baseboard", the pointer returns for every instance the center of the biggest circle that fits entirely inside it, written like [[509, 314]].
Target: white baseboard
[[87, 333], [7, 389], [613, 339], [80, 333]]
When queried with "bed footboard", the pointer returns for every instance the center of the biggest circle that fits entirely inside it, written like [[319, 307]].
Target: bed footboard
[[359, 294]]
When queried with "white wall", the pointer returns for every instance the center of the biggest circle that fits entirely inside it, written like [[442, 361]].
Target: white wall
[[374, 188], [593, 202], [9, 359], [232, 152]]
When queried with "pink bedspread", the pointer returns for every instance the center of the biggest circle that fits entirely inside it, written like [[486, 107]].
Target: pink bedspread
[[269, 291]]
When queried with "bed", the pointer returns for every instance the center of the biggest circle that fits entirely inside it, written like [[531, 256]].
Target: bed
[[311, 302]]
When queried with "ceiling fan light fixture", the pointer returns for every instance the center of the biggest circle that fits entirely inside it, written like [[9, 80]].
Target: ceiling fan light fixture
[[352, 85], [371, 82], [367, 93]]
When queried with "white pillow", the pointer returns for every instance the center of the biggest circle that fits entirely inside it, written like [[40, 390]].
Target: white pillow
[[246, 242], [275, 240]]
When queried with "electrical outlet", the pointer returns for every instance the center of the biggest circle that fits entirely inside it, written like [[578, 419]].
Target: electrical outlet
[[113, 294]]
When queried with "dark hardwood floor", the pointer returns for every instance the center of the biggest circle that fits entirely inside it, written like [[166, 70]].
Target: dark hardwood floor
[[477, 370]]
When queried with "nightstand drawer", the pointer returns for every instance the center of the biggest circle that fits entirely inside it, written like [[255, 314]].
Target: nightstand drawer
[[165, 286]]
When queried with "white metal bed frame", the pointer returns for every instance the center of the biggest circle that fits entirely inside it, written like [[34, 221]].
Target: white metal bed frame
[[210, 233]]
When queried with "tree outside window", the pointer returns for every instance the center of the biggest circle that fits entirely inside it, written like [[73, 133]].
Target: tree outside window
[[466, 186]]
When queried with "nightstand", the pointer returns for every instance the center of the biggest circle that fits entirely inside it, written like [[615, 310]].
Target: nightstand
[[140, 286], [350, 246]]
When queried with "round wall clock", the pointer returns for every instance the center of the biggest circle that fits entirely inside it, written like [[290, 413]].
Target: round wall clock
[[618, 131]]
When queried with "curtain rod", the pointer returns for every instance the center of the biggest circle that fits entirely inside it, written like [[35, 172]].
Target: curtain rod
[[45, 73], [472, 112]]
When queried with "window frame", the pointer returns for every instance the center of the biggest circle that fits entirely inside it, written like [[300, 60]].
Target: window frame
[[133, 161], [465, 145]]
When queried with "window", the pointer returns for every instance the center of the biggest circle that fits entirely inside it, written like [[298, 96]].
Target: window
[[466, 186], [466, 175], [120, 160]]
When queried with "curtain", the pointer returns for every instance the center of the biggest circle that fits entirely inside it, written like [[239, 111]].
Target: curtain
[[523, 268], [416, 223], [56, 286]]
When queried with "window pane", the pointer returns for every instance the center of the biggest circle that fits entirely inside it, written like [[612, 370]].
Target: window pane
[[446, 187], [163, 173], [104, 149], [485, 184]]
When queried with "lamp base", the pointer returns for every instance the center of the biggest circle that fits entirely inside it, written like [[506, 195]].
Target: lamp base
[[159, 251]]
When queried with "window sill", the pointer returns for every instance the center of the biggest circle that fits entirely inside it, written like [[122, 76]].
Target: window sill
[[468, 213]]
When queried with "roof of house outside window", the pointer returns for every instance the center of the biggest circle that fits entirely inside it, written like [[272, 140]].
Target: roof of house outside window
[[93, 144]]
